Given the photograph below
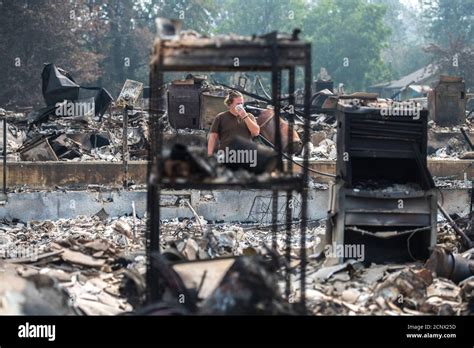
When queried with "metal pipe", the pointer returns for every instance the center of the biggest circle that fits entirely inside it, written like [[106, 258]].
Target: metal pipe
[[448, 265], [276, 81], [291, 114], [304, 191], [465, 239], [274, 218], [153, 192], [4, 155], [125, 152], [276, 93], [289, 193], [472, 196], [468, 140]]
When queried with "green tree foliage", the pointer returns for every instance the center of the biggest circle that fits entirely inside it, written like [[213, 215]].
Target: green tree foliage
[[33, 33], [404, 52], [451, 36], [123, 41], [449, 20], [196, 15], [348, 37], [258, 16], [100, 42], [104, 42]]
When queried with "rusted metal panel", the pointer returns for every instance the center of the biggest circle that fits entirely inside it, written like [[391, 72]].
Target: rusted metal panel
[[382, 209], [250, 58], [387, 220], [39, 174], [363, 217], [184, 105], [47, 175], [38, 151], [198, 53], [371, 146], [211, 105]]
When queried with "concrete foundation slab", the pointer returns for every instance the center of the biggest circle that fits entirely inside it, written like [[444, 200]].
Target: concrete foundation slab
[[216, 206]]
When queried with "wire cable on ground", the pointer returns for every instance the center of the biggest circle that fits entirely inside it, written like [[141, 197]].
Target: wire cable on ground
[[292, 160]]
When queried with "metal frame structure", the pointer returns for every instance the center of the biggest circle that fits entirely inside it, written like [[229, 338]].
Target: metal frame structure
[[367, 141], [270, 53]]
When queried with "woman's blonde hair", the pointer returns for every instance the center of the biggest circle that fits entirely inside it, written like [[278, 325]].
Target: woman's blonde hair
[[231, 96]]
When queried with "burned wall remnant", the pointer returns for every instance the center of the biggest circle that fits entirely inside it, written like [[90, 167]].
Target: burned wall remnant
[[447, 101]]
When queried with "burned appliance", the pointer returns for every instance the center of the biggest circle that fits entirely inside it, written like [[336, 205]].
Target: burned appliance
[[58, 85], [184, 104], [130, 93], [384, 197], [320, 85]]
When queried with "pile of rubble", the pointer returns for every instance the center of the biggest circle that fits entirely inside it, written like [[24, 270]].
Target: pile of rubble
[[456, 146], [90, 262], [325, 150], [78, 123], [351, 289], [454, 149], [97, 266], [438, 287], [200, 241], [75, 138], [323, 139], [82, 260], [450, 183], [468, 125]]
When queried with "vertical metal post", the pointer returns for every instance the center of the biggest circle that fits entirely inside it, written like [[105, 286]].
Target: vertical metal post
[[472, 194], [125, 153], [304, 191], [289, 193], [276, 89], [276, 96], [274, 218], [154, 179], [291, 114], [5, 155]]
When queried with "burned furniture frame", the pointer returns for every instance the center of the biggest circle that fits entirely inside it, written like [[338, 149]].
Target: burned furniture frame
[[269, 53], [374, 147]]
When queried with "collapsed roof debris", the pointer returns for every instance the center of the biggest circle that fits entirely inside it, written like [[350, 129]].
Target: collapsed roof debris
[[85, 257], [23, 137], [77, 124], [81, 140], [97, 267]]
